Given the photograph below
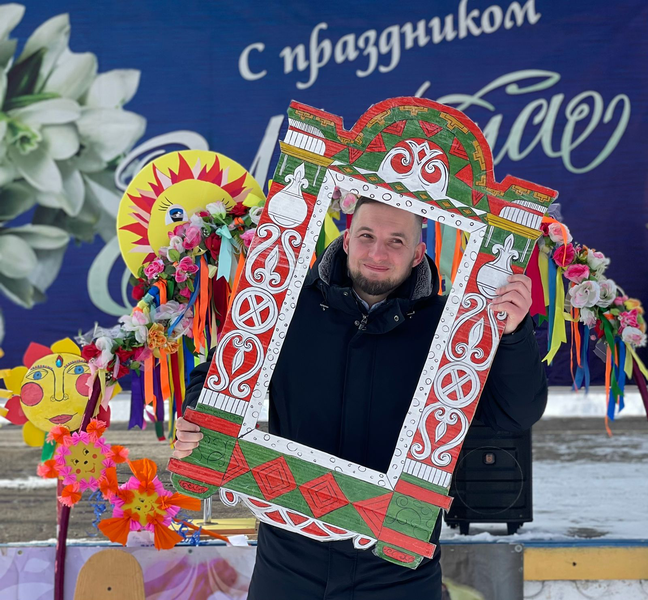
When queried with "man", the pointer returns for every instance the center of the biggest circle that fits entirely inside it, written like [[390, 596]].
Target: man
[[343, 384]]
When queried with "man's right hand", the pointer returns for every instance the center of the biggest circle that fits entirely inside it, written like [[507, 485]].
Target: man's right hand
[[187, 437]]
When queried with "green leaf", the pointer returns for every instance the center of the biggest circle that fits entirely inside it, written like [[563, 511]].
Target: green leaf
[[170, 288], [27, 99], [190, 285], [22, 77], [174, 255]]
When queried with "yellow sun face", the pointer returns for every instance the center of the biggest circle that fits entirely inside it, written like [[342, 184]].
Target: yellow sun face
[[177, 203], [168, 190], [142, 505], [55, 391], [86, 461]]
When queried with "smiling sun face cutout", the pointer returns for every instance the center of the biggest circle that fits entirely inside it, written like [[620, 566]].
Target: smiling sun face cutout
[[50, 389], [168, 190]]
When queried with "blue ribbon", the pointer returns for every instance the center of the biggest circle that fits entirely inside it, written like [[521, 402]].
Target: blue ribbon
[[99, 508], [583, 372], [226, 252]]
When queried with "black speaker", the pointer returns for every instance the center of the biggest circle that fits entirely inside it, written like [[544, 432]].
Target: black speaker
[[492, 481]]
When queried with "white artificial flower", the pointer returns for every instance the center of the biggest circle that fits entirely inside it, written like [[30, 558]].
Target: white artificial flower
[[608, 292], [169, 311], [597, 261], [588, 317], [584, 295]]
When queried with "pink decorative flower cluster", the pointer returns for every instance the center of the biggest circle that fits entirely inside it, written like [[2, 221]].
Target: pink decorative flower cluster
[[599, 300]]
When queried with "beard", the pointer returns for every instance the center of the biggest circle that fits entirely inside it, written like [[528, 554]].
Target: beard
[[376, 288]]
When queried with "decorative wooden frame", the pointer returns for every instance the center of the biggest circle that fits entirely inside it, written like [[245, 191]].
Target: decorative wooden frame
[[422, 157]]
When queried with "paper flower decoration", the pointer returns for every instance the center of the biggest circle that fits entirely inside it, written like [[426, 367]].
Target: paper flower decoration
[[142, 503], [51, 388], [80, 460]]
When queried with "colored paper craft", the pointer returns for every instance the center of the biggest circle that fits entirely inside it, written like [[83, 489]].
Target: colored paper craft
[[422, 157], [50, 389]]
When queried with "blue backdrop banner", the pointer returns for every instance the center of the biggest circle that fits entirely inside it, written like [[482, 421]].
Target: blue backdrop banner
[[559, 89]]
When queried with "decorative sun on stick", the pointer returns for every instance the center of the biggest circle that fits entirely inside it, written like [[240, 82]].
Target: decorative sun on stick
[[142, 503], [50, 389], [80, 460], [168, 190]]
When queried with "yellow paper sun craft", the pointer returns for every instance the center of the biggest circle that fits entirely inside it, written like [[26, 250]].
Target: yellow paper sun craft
[[168, 190], [51, 388]]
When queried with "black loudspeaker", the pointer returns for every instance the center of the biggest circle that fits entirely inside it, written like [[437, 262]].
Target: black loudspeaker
[[492, 481]]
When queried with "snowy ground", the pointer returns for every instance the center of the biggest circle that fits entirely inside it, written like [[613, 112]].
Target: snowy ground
[[586, 485]]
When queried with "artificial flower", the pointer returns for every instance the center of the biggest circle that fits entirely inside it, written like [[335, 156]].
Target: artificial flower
[[597, 261], [577, 273], [156, 337], [248, 236], [633, 336], [154, 268], [584, 295], [633, 303], [588, 317], [557, 233], [217, 209], [193, 237], [564, 255], [348, 203], [629, 318], [608, 291]]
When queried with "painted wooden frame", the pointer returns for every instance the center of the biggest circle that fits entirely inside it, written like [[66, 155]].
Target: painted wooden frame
[[424, 158]]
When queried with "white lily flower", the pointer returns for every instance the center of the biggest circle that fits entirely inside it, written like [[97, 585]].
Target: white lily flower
[[113, 89], [10, 16], [53, 37], [17, 259], [38, 169], [55, 111], [62, 141], [111, 132], [72, 75]]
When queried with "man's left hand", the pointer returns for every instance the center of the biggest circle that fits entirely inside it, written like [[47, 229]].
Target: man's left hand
[[514, 299]]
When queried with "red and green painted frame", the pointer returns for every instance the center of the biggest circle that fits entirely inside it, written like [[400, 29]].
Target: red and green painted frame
[[424, 158]]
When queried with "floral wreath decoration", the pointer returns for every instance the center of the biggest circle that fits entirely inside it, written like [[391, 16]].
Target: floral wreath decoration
[[182, 295], [594, 306]]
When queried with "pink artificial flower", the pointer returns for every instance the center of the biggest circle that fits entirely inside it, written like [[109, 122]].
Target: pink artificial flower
[[619, 300], [180, 276], [185, 293], [153, 269], [193, 237], [178, 230], [141, 354], [556, 234], [633, 336], [187, 265], [248, 236], [348, 203], [629, 319], [337, 194], [577, 273], [564, 255]]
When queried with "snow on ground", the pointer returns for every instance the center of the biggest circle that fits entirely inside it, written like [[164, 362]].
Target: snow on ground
[[27, 483]]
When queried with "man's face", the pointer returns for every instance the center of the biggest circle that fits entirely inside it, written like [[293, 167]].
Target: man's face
[[383, 246]]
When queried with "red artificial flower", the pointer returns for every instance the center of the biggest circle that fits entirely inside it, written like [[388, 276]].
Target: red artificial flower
[[238, 210], [139, 291], [564, 255], [120, 454], [213, 243], [124, 355], [47, 469], [96, 428], [89, 351], [70, 494], [123, 370]]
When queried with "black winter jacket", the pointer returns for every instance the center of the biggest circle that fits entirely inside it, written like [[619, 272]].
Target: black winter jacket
[[342, 384]]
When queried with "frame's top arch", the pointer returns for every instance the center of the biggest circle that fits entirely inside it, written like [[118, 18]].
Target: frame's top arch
[[424, 149]]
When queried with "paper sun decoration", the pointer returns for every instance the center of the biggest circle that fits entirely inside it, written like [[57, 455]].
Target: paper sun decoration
[[50, 389], [142, 503], [80, 460]]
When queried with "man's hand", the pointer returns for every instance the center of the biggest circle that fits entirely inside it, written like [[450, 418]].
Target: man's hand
[[187, 437], [514, 299]]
